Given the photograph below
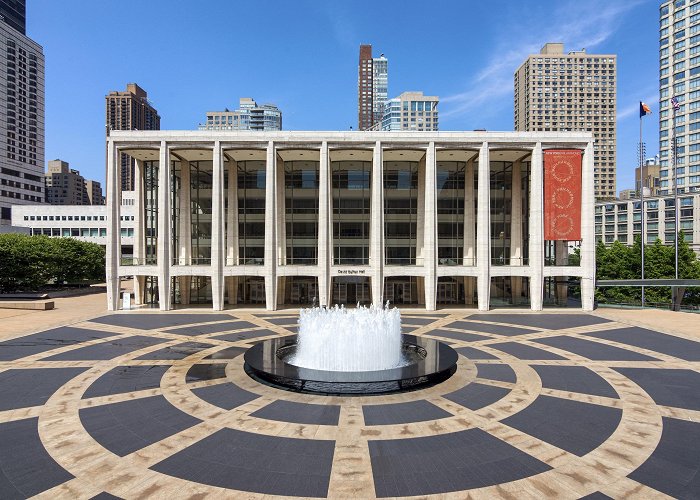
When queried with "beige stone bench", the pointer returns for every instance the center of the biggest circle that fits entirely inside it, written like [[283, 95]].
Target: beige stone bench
[[35, 305]]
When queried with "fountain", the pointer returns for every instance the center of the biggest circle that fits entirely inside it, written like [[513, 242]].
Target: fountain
[[350, 351]]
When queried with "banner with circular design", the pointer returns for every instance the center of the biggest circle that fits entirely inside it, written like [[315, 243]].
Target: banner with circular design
[[562, 194]]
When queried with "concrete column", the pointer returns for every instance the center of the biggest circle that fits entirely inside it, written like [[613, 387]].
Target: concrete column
[[420, 219], [139, 230], [483, 230], [164, 222], [516, 230], [324, 234], [469, 250], [270, 229], [561, 254], [430, 242], [217, 229], [232, 287], [114, 227], [469, 283], [376, 233], [536, 239], [232, 215], [588, 231], [184, 242]]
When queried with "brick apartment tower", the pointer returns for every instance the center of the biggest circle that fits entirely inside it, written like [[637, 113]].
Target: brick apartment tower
[[365, 89], [130, 110]]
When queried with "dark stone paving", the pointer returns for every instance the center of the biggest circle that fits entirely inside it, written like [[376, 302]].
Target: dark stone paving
[[251, 462], [105, 496], [128, 426], [158, 321], [476, 395], [448, 462], [473, 353], [489, 328], [251, 334], [21, 388], [593, 350], [570, 425], [292, 320], [596, 496], [402, 413], [126, 379], [29, 345], [655, 341], [674, 466], [299, 413], [668, 387], [504, 373], [179, 351], [523, 351], [227, 396], [466, 337], [107, 350], [540, 320], [417, 320], [206, 372], [227, 353], [25, 467], [574, 379], [212, 328]]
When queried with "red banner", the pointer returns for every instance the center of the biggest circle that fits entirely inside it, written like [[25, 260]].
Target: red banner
[[562, 194]]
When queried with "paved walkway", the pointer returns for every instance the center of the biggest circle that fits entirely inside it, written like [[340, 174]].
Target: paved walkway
[[555, 405]]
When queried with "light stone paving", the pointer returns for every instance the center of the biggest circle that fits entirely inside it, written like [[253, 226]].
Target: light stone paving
[[531, 437]]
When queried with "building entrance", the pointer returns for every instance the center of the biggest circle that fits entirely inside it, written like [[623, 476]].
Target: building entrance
[[351, 290]]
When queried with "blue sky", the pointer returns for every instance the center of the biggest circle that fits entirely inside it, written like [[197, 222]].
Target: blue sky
[[192, 57]]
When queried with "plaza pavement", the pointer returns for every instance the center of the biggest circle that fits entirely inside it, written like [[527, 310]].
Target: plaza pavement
[[559, 404]]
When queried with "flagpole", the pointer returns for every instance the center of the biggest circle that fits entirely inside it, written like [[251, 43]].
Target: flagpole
[[674, 290], [641, 192]]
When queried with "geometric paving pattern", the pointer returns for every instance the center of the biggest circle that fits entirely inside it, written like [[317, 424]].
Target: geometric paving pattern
[[554, 405]]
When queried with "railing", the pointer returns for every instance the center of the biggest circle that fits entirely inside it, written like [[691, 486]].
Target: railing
[[245, 261], [456, 261], [298, 261], [192, 261], [141, 261], [509, 261]]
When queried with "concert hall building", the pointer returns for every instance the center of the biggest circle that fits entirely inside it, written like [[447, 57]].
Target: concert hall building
[[284, 219]]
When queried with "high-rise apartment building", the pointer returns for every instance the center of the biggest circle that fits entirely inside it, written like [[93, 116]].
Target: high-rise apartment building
[[411, 111], [649, 173], [14, 13], [679, 76], [555, 91], [130, 110], [65, 186], [249, 116], [21, 113], [372, 89]]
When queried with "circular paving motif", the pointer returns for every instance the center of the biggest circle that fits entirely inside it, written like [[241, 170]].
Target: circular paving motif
[[149, 404]]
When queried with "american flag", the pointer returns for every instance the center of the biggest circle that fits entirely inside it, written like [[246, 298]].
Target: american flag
[[675, 103]]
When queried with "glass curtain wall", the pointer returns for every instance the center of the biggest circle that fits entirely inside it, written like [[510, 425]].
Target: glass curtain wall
[[200, 206], [251, 218], [500, 201], [150, 172], [450, 212], [301, 212], [351, 212], [400, 212]]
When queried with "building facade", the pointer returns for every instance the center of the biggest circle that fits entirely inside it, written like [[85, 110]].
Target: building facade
[[372, 89], [574, 91], [679, 76], [14, 13], [65, 186], [249, 116], [130, 110], [425, 219], [648, 176], [622, 220], [21, 117], [411, 111], [380, 87]]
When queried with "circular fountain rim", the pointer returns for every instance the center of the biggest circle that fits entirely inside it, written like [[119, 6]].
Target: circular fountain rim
[[438, 365]]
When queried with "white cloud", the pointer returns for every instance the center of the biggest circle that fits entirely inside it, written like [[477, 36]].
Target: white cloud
[[593, 23]]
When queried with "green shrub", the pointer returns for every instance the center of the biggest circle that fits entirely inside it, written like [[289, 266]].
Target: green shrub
[[30, 262]]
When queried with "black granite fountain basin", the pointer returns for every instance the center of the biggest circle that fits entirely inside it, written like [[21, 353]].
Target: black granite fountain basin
[[428, 362]]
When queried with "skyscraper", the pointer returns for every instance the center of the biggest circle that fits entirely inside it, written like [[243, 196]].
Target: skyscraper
[[22, 112], [372, 88], [249, 116], [679, 76], [555, 91], [130, 110]]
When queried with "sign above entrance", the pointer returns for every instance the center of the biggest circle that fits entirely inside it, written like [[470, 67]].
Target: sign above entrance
[[351, 271]]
